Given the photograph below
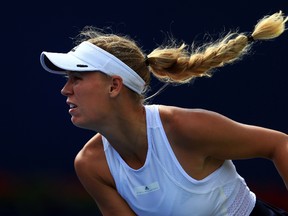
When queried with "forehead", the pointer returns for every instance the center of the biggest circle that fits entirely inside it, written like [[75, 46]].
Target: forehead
[[86, 74], [78, 73]]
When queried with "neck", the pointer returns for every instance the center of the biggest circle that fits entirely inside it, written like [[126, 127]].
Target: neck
[[126, 132]]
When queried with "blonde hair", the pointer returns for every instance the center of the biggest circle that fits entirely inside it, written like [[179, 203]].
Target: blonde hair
[[176, 64]]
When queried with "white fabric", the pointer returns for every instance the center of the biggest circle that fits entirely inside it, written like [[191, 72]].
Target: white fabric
[[88, 57], [162, 187]]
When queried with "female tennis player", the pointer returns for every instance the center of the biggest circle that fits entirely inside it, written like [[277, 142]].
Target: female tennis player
[[151, 159]]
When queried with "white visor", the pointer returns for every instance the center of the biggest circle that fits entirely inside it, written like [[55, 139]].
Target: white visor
[[88, 57]]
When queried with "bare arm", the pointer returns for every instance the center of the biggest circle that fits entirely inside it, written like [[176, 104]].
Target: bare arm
[[93, 172], [219, 137]]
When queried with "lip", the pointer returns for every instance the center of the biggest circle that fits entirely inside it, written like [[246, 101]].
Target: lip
[[72, 106]]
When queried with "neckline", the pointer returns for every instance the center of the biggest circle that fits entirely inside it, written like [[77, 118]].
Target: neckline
[[147, 159]]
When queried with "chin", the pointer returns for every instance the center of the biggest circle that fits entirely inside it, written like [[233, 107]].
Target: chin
[[81, 124], [76, 122]]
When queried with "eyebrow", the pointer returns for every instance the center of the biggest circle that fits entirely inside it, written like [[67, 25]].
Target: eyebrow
[[73, 73]]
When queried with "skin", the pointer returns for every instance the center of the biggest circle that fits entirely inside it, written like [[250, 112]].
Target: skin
[[201, 140]]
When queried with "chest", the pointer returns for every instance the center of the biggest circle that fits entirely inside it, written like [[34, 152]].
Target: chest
[[193, 161], [154, 190]]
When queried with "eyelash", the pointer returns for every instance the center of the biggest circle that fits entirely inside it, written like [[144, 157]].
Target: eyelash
[[75, 77]]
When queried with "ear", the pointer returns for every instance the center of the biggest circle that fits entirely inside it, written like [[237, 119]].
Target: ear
[[116, 86]]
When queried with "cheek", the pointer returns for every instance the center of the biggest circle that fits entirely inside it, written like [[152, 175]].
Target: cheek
[[92, 96], [92, 102]]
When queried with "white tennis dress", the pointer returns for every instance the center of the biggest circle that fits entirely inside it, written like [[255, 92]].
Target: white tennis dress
[[162, 188]]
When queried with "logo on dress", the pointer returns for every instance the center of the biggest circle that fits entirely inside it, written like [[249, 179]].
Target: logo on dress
[[144, 189]]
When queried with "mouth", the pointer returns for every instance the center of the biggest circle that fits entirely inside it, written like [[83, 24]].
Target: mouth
[[72, 106]]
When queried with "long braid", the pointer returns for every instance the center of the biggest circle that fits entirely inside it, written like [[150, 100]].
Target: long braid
[[178, 65]]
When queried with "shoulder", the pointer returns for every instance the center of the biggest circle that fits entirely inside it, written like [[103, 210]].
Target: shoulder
[[193, 125], [93, 172], [177, 116], [92, 150], [90, 162]]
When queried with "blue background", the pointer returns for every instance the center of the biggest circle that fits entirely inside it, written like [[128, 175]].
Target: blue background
[[39, 142]]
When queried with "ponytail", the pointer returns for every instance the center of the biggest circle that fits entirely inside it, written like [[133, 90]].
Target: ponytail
[[177, 65]]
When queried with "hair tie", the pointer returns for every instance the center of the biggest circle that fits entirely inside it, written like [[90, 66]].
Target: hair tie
[[146, 61], [250, 39]]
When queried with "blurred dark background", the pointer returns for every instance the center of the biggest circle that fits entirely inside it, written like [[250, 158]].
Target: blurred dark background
[[39, 142]]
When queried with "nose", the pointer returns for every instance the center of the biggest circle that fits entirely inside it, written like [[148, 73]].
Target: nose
[[67, 89]]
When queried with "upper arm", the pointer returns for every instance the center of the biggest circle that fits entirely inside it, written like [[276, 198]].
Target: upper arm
[[219, 137], [93, 172]]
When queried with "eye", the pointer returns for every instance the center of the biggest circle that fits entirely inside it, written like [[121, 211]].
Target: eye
[[76, 77], [73, 76]]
